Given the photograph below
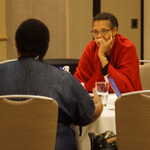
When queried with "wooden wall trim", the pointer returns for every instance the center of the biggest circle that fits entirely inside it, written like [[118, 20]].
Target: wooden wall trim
[[142, 29], [3, 38]]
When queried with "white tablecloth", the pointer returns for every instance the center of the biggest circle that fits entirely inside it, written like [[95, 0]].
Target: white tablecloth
[[105, 122]]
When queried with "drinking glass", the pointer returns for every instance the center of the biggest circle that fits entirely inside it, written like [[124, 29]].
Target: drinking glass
[[102, 89]]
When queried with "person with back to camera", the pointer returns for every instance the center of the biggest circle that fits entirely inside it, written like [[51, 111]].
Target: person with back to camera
[[30, 75], [109, 53]]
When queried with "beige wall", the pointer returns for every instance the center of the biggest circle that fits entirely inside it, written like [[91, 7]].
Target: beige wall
[[80, 25], [69, 22], [3, 37], [125, 10], [52, 13]]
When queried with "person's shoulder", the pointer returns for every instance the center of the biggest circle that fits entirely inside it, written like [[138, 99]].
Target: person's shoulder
[[91, 47], [124, 41], [91, 44], [8, 62]]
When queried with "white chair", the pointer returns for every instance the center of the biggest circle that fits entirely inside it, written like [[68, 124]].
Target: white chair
[[132, 112], [145, 74], [144, 61], [5, 61], [30, 124]]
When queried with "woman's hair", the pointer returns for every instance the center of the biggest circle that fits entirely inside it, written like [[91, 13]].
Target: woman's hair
[[32, 38], [106, 16]]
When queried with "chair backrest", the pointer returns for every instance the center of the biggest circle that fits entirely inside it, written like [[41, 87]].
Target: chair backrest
[[5, 61], [133, 121], [30, 124], [144, 61], [145, 74]]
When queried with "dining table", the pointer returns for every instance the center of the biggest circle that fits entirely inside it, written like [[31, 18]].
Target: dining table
[[106, 122]]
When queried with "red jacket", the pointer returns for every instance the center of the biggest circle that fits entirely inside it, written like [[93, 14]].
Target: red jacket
[[123, 66]]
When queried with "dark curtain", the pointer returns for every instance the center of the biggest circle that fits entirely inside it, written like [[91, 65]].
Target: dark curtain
[[96, 7]]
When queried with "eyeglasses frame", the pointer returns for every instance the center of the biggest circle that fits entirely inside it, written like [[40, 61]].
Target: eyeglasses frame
[[101, 31]]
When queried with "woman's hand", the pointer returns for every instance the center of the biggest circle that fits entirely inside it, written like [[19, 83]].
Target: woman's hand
[[105, 45], [98, 105]]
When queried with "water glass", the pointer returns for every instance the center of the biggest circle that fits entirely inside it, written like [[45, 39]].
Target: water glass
[[102, 89]]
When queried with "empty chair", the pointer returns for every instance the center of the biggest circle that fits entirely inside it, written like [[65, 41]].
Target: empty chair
[[30, 124], [133, 121], [145, 74]]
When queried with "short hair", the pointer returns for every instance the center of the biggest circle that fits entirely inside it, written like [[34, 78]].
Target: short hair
[[107, 16], [32, 38]]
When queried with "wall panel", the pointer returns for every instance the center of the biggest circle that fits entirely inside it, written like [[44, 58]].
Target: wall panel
[[125, 10], [80, 25], [69, 22], [52, 13], [3, 36]]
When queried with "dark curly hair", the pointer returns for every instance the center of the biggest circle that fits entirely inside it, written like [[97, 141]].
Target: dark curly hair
[[32, 38], [107, 16]]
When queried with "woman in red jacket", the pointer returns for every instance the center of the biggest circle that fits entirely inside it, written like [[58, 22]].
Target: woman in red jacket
[[109, 52]]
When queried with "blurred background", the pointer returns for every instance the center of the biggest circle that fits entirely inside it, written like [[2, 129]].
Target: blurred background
[[70, 23]]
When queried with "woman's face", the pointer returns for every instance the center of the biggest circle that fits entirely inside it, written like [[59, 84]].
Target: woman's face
[[101, 29]]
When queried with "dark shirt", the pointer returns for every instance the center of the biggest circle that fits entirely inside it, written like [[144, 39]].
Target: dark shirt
[[34, 77], [104, 70]]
